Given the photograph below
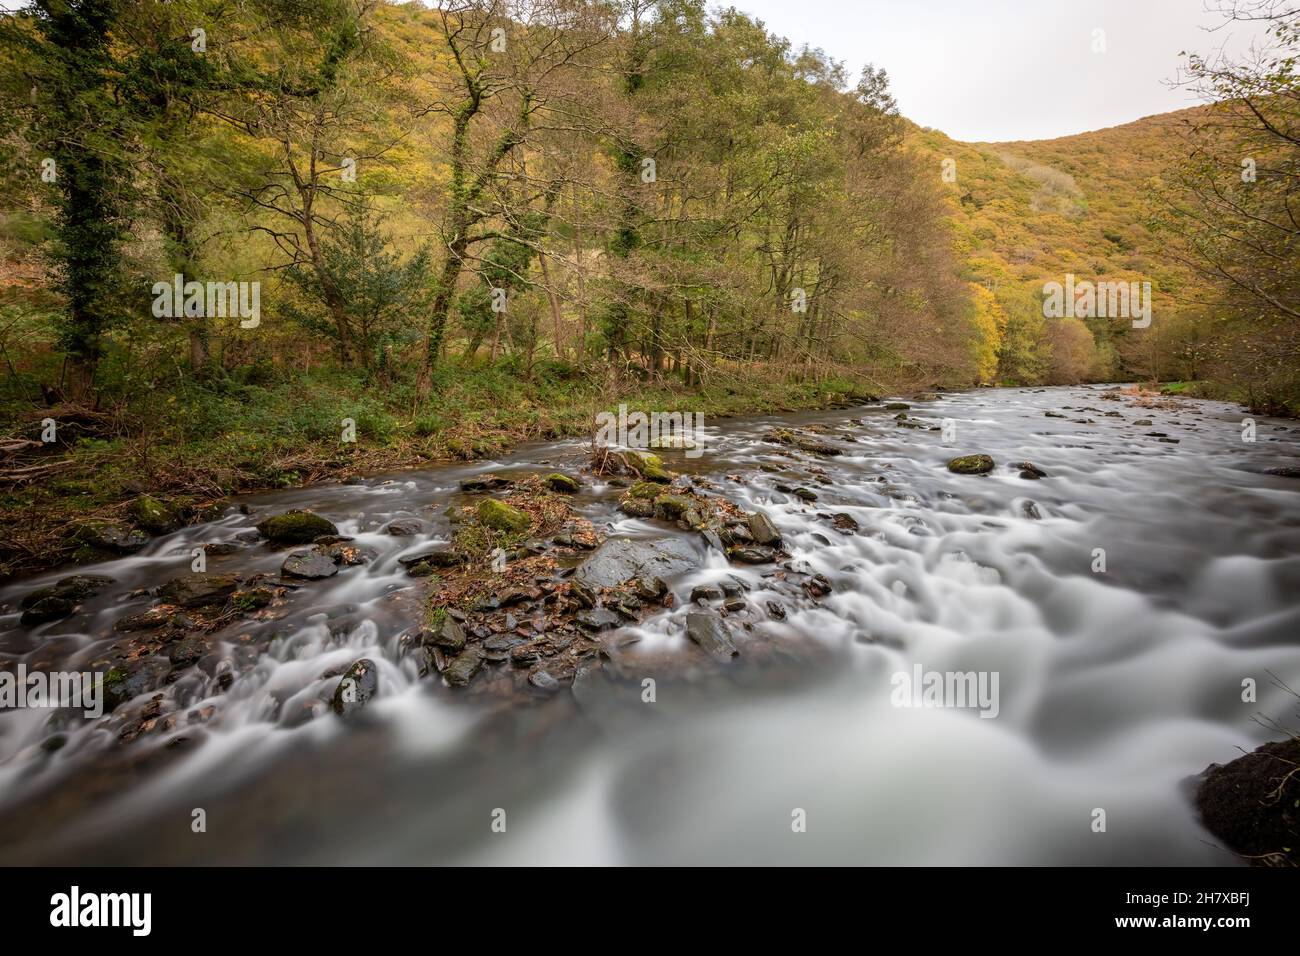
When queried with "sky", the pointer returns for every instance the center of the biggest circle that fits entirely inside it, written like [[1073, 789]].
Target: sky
[[995, 70]]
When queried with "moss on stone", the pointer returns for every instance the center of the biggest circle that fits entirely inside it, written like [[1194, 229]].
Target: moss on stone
[[296, 527], [500, 516]]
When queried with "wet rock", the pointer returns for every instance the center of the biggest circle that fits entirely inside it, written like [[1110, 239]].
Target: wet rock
[[437, 558], [114, 536], [295, 527], [1143, 423], [598, 619], [637, 507], [1029, 470], [310, 565], [562, 483], [762, 530], [817, 586], [731, 587], [74, 588], [1030, 510], [776, 610], [971, 465], [448, 634], [844, 522], [804, 494], [129, 680], [462, 670], [784, 436], [897, 407], [199, 590], [500, 516], [1054, 415], [671, 507], [710, 631], [926, 397], [1253, 804], [734, 605], [404, 527], [543, 682], [46, 609], [154, 516], [359, 684], [218, 548], [703, 593], [620, 559], [187, 652], [252, 599], [485, 482], [1284, 471], [345, 554], [649, 589], [752, 555]]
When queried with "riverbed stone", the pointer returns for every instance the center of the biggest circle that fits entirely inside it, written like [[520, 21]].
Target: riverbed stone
[[970, 465], [620, 559], [499, 516], [311, 565], [155, 516], [296, 527], [404, 527], [199, 590], [356, 688], [115, 536], [711, 632], [462, 670], [1253, 803], [562, 483], [761, 528]]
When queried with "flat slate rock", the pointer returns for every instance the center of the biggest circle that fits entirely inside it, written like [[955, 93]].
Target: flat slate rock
[[619, 559]]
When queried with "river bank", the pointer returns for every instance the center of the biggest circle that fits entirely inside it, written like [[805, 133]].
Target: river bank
[[145, 471]]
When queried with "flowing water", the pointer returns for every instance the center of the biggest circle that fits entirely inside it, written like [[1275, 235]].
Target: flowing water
[[1114, 688]]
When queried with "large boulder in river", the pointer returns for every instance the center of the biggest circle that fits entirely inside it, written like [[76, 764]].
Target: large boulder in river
[[620, 559], [970, 465], [296, 527], [1253, 804]]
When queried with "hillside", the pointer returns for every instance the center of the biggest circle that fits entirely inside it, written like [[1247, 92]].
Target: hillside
[[1029, 212]]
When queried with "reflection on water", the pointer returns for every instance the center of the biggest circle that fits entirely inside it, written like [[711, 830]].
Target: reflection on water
[[1114, 687]]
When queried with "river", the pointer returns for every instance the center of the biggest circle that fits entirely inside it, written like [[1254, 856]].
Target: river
[[1114, 687]]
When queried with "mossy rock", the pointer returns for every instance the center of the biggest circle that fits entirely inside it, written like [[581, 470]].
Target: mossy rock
[[645, 489], [637, 507], [971, 465], [500, 516], [296, 527], [650, 466], [154, 516], [562, 483], [672, 506], [112, 536]]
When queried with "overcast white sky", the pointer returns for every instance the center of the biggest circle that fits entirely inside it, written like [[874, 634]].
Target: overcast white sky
[[1008, 69], [1011, 69]]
